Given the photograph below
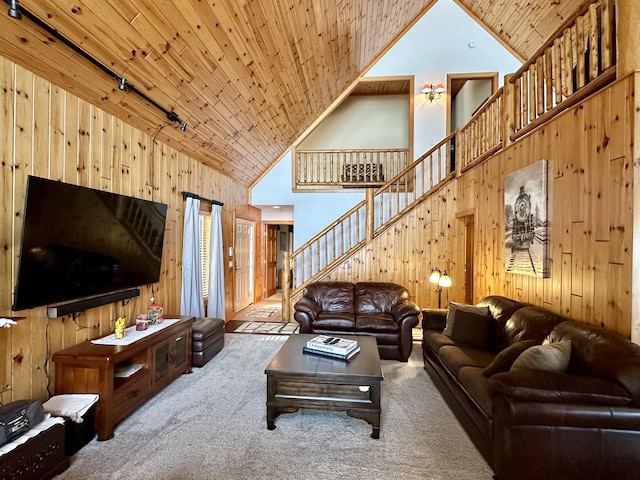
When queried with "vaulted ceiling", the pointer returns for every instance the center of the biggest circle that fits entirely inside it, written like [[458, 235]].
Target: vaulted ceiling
[[247, 76]]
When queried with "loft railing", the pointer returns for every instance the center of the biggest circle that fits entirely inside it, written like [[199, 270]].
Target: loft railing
[[579, 60], [348, 168]]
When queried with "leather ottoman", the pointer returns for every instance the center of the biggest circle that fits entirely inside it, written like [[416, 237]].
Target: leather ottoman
[[208, 339]]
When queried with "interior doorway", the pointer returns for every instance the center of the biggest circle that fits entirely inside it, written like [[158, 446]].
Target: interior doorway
[[244, 264], [467, 93]]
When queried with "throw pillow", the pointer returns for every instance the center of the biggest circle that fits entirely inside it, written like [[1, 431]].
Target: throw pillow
[[550, 357], [454, 308], [472, 329], [503, 361]]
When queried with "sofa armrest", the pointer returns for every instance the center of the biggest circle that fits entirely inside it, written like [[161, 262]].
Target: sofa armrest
[[434, 318], [541, 386], [405, 309], [306, 311], [307, 306]]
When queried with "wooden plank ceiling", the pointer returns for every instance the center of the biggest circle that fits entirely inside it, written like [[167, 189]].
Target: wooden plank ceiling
[[247, 76]]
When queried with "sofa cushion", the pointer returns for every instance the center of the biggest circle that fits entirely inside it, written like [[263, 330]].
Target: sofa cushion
[[331, 296], [505, 358], [478, 386], [376, 322], [550, 357], [454, 308], [335, 321], [501, 309], [472, 329], [541, 386], [454, 357], [373, 297], [530, 323], [435, 340]]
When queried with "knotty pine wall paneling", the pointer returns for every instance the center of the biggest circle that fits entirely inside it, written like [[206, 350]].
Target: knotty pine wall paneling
[[49, 132], [589, 150]]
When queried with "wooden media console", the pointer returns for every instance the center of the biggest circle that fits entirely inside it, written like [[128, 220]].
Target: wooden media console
[[124, 376]]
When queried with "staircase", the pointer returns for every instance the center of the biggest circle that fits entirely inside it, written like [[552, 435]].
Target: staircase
[[576, 62]]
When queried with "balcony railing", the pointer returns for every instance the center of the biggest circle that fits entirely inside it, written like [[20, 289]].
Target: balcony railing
[[348, 168]]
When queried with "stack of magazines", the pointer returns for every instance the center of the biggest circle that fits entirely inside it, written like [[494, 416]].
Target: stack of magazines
[[334, 347]]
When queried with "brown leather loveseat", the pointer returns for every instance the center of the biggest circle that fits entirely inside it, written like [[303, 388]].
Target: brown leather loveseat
[[528, 420], [379, 309]]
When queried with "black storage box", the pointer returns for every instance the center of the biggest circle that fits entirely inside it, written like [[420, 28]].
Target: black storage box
[[77, 435]]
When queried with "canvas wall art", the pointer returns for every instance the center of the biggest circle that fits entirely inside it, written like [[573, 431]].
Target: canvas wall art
[[526, 222]]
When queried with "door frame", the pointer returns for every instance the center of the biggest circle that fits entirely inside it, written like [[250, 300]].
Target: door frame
[[451, 89]]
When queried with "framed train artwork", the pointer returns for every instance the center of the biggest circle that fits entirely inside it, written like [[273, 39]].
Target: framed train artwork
[[526, 221]]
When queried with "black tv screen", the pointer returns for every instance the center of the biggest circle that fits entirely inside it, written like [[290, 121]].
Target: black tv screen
[[79, 242]]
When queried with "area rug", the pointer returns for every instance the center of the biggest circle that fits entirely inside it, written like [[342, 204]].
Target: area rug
[[269, 328], [212, 424], [259, 312]]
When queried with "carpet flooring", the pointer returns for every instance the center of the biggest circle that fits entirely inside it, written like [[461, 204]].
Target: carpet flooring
[[211, 424]]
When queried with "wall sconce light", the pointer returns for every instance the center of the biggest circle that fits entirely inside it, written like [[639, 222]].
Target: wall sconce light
[[14, 10], [441, 279], [433, 92]]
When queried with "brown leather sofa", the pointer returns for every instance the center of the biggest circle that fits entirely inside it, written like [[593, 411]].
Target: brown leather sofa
[[379, 309], [534, 424]]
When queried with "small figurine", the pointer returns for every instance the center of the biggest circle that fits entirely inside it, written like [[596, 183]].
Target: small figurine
[[120, 329]]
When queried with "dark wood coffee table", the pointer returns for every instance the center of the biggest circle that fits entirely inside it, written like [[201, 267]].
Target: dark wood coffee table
[[300, 380]]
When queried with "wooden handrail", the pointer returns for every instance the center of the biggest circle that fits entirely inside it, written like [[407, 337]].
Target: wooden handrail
[[566, 24]]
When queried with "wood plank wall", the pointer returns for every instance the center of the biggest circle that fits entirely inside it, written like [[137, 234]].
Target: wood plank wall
[[589, 149], [49, 132]]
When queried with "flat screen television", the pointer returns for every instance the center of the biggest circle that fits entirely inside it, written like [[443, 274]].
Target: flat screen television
[[81, 242]]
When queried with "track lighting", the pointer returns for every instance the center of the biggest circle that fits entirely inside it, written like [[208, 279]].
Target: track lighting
[[183, 127], [123, 84], [14, 10]]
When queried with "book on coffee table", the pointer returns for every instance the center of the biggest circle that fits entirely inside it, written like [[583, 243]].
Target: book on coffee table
[[327, 343], [346, 357]]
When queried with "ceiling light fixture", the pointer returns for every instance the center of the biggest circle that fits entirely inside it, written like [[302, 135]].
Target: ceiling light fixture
[[14, 10], [183, 127], [123, 84], [433, 92]]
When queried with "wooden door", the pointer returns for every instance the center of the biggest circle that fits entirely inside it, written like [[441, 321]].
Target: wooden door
[[271, 252], [243, 264]]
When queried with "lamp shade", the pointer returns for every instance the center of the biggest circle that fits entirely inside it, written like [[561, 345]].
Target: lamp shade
[[445, 280], [435, 276]]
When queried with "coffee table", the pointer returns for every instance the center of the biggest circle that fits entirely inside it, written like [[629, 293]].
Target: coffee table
[[300, 380]]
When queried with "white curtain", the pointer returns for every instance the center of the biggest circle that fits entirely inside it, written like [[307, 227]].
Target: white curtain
[[191, 298], [215, 307]]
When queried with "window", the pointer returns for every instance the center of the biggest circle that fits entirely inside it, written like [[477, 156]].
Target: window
[[205, 241]]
